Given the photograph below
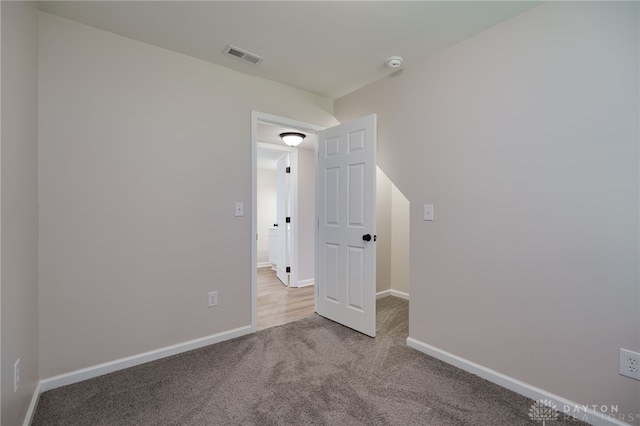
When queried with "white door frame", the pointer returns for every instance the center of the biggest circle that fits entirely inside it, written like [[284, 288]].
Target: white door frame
[[280, 121]]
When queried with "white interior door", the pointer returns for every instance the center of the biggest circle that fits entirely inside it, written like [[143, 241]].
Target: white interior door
[[345, 248], [283, 226]]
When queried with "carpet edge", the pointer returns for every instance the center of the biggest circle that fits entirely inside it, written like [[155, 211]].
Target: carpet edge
[[578, 411], [142, 358]]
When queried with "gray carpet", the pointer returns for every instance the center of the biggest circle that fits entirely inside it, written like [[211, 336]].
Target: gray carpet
[[310, 372]]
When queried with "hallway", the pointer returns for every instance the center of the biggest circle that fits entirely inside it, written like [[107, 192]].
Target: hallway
[[278, 304]]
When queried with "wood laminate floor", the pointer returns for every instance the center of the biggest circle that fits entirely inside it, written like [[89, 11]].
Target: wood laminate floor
[[278, 304]]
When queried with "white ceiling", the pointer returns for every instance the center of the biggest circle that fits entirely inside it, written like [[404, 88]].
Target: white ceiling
[[325, 47]]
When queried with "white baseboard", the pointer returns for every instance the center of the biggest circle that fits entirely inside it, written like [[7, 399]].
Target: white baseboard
[[131, 361], [394, 293], [264, 265], [304, 283], [381, 294], [33, 405], [400, 294], [571, 408]]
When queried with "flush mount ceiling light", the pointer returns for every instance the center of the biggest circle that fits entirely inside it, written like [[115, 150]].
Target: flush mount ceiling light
[[292, 138]]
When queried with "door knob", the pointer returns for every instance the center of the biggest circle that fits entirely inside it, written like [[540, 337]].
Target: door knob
[[366, 237]]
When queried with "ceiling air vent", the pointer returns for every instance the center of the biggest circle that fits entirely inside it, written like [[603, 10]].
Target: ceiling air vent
[[243, 55]]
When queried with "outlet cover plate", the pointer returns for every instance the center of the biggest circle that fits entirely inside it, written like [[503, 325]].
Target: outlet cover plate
[[630, 363]]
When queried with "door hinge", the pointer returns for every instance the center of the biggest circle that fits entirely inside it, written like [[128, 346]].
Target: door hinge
[[288, 269], [288, 170], [288, 220]]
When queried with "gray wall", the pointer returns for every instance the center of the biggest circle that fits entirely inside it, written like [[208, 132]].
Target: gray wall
[[525, 139], [384, 228], [143, 153], [266, 210], [306, 214], [400, 241], [19, 212], [392, 229]]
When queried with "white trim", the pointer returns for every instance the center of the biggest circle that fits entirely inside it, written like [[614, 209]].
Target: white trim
[[394, 293], [576, 410], [382, 294], [295, 219], [304, 283], [316, 226], [33, 405], [131, 361], [274, 147], [254, 220], [264, 265], [400, 294], [282, 121]]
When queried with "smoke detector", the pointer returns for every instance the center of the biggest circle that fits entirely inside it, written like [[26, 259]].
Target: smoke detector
[[394, 62]]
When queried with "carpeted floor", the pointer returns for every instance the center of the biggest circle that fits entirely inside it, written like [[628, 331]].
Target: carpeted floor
[[310, 372]]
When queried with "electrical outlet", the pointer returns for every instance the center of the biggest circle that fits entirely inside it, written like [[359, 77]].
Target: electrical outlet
[[213, 299], [630, 363], [16, 375]]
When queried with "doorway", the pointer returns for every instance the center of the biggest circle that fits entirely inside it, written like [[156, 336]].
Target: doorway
[[293, 297], [275, 196], [391, 273]]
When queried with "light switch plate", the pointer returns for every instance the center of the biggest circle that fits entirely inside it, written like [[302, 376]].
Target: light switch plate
[[212, 298], [428, 212], [239, 212]]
